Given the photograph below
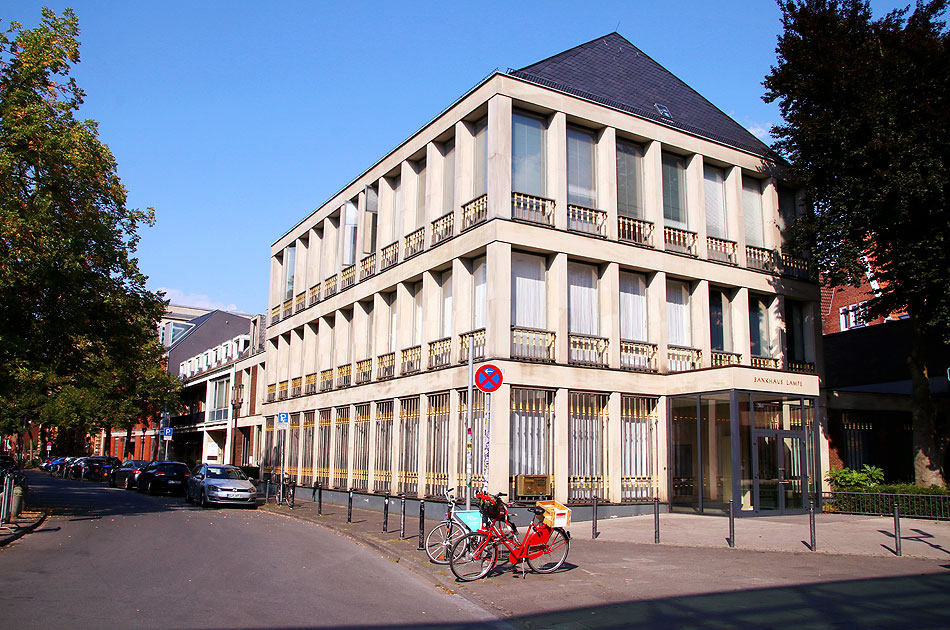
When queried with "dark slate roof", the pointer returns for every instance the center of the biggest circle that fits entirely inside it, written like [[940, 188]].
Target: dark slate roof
[[613, 72]]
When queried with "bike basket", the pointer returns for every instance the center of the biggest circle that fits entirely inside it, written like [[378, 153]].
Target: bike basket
[[472, 519], [555, 514], [494, 509]]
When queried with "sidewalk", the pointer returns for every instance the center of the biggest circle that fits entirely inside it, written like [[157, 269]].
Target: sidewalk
[[28, 520]]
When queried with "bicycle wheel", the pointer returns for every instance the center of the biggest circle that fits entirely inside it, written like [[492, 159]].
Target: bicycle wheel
[[440, 541], [555, 553], [473, 556]]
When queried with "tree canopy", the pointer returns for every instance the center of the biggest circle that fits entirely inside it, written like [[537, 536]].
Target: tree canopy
[[866, 108]]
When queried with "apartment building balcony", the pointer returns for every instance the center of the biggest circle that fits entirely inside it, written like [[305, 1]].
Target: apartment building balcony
[[385, 366], [329, 287], [296, 387], [531, 209], [683, 359], [415, 242], [587, 350], [531, 344], [586, 220], [288, 309], [440, 353], [300, 302], [310, 384], [275, 315], [637, 356], [364, 371], [368, 267], [443, 228], [344, 374], [282, 390], [802, 367], [770, 363], [760, 258], [326, 380], [410, 360], [272, 392], [347, 277], [679, 241], [474, 212], [475, 340], [721, 358], [721, 250], [389, 256], [314, 296], [795, 267], [636, 231]]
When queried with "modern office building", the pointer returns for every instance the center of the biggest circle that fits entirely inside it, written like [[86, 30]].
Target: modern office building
[[606, 237]]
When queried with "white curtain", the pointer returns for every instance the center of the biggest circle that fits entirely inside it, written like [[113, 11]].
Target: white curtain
[[528, 292], [752, 205], [480, 293], [633, 307], [715, 202], [677, 314], [446, 326], [674, 191], [527, 155], [583, 309], [581, 182], [628, 180]]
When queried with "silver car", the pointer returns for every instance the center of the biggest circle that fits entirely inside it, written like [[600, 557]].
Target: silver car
[[219, 484]]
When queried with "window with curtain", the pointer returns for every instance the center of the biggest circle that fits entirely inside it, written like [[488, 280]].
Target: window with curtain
[[633, 307], [448, 176], [369, 219], [370, 330], [348, 234], [674, 191], [480, 176], [528, 291], [715, 194], [583, 308], [396, 210], [795, 330], [720, 321], [445, 284], [392, 321], [581, 179], [678, 323], [759, 336], [416, 293], [479, 292], [752, 207], [527, 155], [629, 177], [290, 260], [420, 169], [346, 336]]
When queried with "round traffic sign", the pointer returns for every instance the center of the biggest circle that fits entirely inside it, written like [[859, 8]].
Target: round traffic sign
[[488, 378]]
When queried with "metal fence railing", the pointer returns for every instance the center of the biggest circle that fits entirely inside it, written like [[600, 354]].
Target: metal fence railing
[[932, 506]]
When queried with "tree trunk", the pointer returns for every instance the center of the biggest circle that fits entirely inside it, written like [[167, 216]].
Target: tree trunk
[[129, 444], [107, 441], [929, 443]]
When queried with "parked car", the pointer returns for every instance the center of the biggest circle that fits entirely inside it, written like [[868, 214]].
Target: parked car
[[7, 463], [108, 465], [164, 477], [74, 467], [127, 475], [52, 465], [212, 483]]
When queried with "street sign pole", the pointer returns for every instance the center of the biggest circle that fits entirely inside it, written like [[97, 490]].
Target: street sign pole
[[468, 422]]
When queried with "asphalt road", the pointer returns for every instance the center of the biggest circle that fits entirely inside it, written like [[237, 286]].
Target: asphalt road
[[110, 558]]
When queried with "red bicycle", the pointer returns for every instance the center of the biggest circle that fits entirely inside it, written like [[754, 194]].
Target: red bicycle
[[544, 548]]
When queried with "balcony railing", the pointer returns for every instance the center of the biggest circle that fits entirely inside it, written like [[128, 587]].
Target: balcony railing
[[683, 359], [721, 358], [532, 209], [275, 315], [760, 258], [637, 356], [368, 267], [296, 386], [310, 384], [721, 250], [795, 267], [385, 366], [347, 277], [329, 287], [635, 231], [364, 371], [288, 309], [802, 367], [586, 220], [272, 392], [415, 242], [314, 294], [389, 256], [440, 353], [679, 241], [531, 344], [411, 360], [300, 302], [474, 212], [326, 380], [587, 350], [443, 228], [770, 363], [476, 339], [343, 375], [282, 389]]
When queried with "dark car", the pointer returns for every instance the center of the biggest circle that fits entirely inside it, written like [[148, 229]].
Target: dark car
[[127, 475], [164, 477], [7, 462], [74, 469]]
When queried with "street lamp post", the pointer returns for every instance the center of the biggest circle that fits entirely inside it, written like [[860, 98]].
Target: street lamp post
[[237, 401]]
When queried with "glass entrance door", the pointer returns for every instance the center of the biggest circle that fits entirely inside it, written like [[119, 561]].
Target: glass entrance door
[[779, 472]]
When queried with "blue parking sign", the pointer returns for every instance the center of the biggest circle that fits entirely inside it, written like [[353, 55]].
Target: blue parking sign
[[167, 433], [283, 418]]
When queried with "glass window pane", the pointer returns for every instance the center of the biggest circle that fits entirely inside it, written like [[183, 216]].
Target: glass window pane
[[583, 312], [479, 181], [633, 307], [714, 189], [752, 207], [527, 155], [581, 180], [677, 313], [629, 160], [674, 191], [528, 292]]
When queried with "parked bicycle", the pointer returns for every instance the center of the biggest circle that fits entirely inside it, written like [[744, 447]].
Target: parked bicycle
[[543, 547], [286, 489], [442, 537]]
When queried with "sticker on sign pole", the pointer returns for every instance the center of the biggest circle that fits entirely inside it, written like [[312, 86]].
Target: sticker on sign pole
[[488, 378]]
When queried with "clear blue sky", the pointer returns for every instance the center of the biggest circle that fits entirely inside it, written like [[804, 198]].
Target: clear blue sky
[[235, 120]]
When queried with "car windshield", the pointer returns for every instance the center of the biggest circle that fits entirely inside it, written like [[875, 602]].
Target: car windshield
[[221, 472]]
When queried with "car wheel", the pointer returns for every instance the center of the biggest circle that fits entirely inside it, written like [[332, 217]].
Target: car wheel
[[111, 481], [204, 499], [151, 489], [187, 496]]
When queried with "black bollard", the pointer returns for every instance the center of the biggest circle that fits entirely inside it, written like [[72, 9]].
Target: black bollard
[[897, 529], [593, 526], [349, 508], [313, 493], [732, 524], [386, 514], [656, 520], [402, 517], [422, 523], [811, 525], [319, 500]]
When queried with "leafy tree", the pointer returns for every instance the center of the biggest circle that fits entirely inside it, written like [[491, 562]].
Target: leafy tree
[[866, 105]]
